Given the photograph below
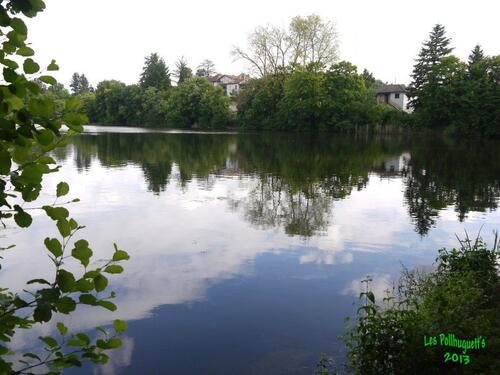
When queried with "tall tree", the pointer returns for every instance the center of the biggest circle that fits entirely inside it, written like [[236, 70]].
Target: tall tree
[[307, 41], [314, 41], [182, 71], [424, 77], [80, 84], [206, 68], [476, 55], [155, 73]]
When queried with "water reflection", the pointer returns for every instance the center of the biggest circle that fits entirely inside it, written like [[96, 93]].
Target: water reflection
[[300, 176], [246, 248]]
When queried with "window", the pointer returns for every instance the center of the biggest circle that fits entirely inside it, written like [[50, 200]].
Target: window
[[396, 95]]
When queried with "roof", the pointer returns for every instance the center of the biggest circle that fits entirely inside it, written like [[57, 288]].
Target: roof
[[386, 89], [242, 78]]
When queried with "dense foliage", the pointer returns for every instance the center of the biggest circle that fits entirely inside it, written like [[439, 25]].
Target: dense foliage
[[153, 102], [461, 296], [32, 116], [448, 93], [307, 98]]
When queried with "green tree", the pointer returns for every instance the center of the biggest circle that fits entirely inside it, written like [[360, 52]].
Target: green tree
[[197, 104], [182, 71], [155, 73], [80, 84], [30, 128], [476, 55], [425, 81]]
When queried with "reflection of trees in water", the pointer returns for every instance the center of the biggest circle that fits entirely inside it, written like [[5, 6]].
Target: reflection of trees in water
[[465, 175], [273, 204], [298, 176]]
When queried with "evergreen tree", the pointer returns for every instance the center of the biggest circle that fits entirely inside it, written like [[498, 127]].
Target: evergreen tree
[[80, 84], [84, 84], [476, 55], [424, 78], [75, 83], [155, 73], [182, 71]]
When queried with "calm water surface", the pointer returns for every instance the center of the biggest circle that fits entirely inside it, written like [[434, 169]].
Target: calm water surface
[[248, 249]]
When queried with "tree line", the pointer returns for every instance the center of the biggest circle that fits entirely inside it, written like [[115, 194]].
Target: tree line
[[300, 84]]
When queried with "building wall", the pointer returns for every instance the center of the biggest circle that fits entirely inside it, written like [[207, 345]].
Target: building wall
[[232, 87], [395, 101]]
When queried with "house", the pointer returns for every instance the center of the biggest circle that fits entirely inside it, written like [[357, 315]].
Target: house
[[230, 84], [393, 95]]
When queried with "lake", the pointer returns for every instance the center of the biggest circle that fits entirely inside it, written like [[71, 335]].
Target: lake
[[248, 249]]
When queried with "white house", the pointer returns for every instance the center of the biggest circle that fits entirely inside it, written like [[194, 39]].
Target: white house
[[393, 95], [230, 84]]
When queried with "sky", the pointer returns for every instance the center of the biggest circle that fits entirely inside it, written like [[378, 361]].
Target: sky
[[108, 39]]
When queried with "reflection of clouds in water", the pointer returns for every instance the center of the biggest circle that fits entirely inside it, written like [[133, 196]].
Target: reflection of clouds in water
[[183, 241], [118, 358], [379, 285]]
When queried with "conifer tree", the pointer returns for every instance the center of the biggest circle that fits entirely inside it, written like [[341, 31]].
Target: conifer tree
[[424, 78], [155, 73], [182, 71]]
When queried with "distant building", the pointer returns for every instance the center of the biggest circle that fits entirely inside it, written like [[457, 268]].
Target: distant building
[[393, 95], [230, 84]]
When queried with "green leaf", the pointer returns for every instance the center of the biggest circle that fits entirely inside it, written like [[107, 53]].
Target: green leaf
[[82, 252], [56, 213], [54, 246], [22, 218], [30, 66], [107, 305], [66, 281], [32, 355], [41, 107], [50, 341], [114, 343], [75, 342], [120, 255], [64, 227], [73, 103], [10, 63], [100, 282], [42, 312], [19, 26], [62, 189], [371, 296], [84, 285], [25, 51], [53, 66], [62, 328], [114, 268], [45, 137], [48, 80], [46, 160], [88, 299], [120, 325], [5, 162], [65, 305], [38, 281]]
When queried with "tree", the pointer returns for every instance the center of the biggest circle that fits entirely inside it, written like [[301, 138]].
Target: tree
[[424, 79], [313, 41], [182, 71], [31, 124], [80, 84], [308, 41], [155, 73], [368, 77], [268, 50], [206, 68], [197, 104]]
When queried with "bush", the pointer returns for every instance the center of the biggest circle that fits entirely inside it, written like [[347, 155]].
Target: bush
[[460, 297]]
